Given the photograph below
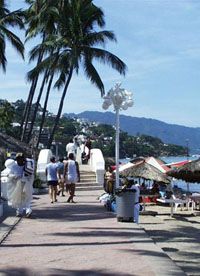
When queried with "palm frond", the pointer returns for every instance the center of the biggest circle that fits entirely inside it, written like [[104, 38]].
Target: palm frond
[[61, 80], [15, 41], [40, 68], [50, 62], [3, 60], [92, 74], [64, 61], [14, 18], [106, 57], [92, 15], [100, 38], [46, 47]]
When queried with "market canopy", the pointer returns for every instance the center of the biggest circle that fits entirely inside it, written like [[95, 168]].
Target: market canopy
[[189, 172], [159, 164], [177, 164], [141, 169]]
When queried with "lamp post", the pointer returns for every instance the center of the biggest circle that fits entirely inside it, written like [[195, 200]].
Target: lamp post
[[56, 147], [121, 100], [187, 148]]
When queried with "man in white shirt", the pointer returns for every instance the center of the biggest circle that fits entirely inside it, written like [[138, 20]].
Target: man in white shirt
[[71, 148]]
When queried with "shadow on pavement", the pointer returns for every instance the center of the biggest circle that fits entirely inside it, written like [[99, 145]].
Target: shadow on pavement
[[50, 244], [52, 272], [71, 212]]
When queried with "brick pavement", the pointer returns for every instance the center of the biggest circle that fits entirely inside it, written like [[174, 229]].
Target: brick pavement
[[79, 239]]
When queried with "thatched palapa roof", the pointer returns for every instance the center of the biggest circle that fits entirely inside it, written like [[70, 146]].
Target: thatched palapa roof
[[141, 169], [189, 172]]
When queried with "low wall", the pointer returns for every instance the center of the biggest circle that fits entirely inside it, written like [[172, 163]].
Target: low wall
[[97, 165], [43, 160]]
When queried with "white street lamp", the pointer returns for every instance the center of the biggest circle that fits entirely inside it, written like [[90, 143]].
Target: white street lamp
[[121, 99]]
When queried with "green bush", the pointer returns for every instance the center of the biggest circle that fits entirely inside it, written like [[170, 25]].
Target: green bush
[[37, 183]]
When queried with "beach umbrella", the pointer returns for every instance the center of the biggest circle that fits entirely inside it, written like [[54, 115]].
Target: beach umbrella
[[189, 172], [141, 169]]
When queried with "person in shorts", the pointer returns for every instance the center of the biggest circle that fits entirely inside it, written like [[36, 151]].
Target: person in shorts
[[71, 170], [52, 178], [61, 180]]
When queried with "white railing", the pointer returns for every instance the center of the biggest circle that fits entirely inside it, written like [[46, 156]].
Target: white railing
[[78, 155], [43, 160], [97, 165]]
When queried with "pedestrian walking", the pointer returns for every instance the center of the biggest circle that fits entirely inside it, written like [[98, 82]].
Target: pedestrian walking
[[52, 178], [84, 153], [71, 147], [76, 143], [71, 171], [61, 180], [88, 144]]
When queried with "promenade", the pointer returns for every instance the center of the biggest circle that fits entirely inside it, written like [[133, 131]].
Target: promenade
[[78, 239]]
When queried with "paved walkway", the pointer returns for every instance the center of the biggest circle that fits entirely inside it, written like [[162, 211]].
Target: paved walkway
[[79, 239]]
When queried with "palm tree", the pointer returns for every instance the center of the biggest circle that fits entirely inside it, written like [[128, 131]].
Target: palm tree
[[37, 104], [32, 20], [6, 114], [77, 42], [12, 19], [40, 20]]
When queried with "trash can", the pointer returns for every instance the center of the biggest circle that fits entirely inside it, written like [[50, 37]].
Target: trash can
[[125, 201]]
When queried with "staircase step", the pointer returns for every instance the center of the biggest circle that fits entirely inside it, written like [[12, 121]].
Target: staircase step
[[88, 180], [81, 184], [88, 175], [91, 188]]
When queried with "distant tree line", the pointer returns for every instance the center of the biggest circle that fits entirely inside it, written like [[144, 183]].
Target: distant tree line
[[102, 135], [131, 146]]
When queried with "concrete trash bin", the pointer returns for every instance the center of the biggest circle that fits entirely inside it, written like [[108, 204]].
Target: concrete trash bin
[[125, 201]]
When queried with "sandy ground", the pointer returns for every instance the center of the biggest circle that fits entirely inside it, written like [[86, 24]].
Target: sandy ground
[[178, 236]]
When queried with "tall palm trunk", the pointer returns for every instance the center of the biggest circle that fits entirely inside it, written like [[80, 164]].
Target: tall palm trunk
[[60, 109], [24, 120], [27, 109], [37, 105], [45, 108]]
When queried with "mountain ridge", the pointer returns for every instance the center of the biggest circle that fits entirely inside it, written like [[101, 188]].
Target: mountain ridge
[[168, 133]]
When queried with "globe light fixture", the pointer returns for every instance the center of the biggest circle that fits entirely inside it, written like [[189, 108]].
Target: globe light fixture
[[121, 99]]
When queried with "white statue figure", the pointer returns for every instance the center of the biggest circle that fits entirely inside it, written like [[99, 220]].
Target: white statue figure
[[20, 175]]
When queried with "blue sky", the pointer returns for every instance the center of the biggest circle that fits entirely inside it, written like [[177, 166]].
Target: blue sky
[[159, 40]]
